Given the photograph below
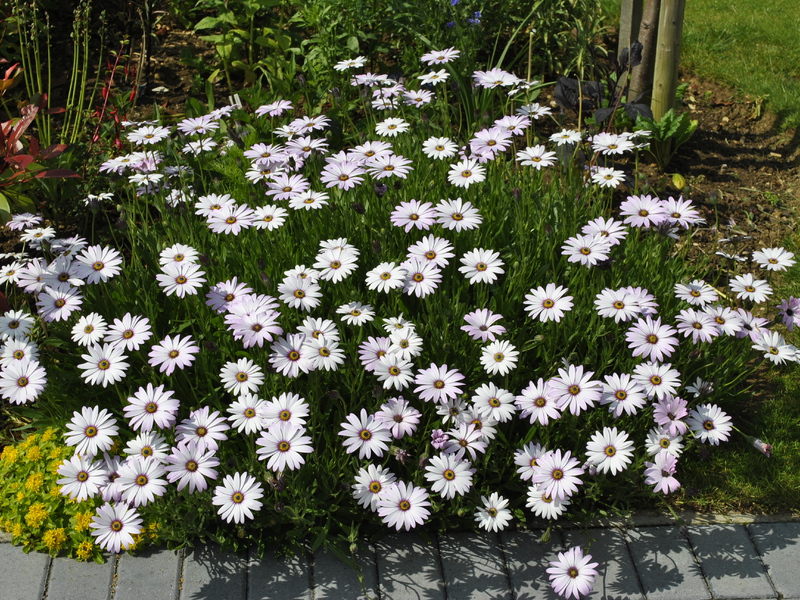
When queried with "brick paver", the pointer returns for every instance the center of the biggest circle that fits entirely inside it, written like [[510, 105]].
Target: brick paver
[[729, 562], [408, 569], [616, 575], [279, 578], [150, 574], [73, 580], [22, 576], [666, 565], [779, 547], [527, 560], [209, 574], [334, 580], [473, 567]]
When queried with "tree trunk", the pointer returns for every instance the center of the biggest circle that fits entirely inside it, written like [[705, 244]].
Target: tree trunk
[[665, 72], [641, 77]]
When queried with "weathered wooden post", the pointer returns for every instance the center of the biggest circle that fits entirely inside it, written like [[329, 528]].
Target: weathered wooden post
[[630, 17], [642, 74], [665, 72]]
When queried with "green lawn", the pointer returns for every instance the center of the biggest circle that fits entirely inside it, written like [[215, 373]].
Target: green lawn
[[750, 45]]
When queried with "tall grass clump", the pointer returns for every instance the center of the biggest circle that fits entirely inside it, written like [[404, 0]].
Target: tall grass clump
[[310, 328]]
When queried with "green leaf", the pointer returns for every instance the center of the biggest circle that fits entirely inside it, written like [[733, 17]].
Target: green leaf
[[352, 43]]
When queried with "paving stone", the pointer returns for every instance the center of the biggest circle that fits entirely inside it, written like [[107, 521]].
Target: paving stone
[[70, 579], [729, 562], [210, 574], [152, 574], [473, 567], [408, 569], [666, 566], [274, 578], [527, 560], [334, 580], [616, 575], [23, 576], [779, 547]]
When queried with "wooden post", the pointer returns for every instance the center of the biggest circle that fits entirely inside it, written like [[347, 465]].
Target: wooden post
[[641, 76], [630, 17], [665, 72]]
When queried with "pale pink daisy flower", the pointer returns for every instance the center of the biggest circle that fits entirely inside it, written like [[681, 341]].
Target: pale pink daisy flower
[[648, 338], [548, 303], [283, 446], [643, 211], [576, 390], [172, 353], [238, 497], [369, 485], [709, 424], [466, 172], [481, 325], [539, 401], [438, 383], [557, 474], [661, 473], [190, 465], [449, 475], [573, 574], [366, 435], [481, 266], [115, 525], [399, 417], [402, 505]]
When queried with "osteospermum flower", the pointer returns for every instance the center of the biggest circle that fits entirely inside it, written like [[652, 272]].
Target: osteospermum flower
[[98, 264], [369, 485], [573, 574], [22, 381], [609, 450], [790, 312], [661, 473], [172, 353], [190, 465], [575, 389], [548, 303], [90, 431], [439, 148], [748, 287], [494, 515], [355, 313], [696, 293], [289, 356], [129, 332], [668, 414], [286, 408], [422, 277], [466, 172], [481, 266], [648, 338], [104, 364], [658, 380], [205, 428], [449, 475], [587, 250], [774, 259], [539, 401], [622, 394], [481, 325], [58, 304], [438, 383], [141, 480], [499, 357], [544, 505], [698, 325], [457, 214], [643, 211], [495, 403], [151, 407], [391, 127], [537, 157], [283, 446], [661, 441], [241, 377], [149, 134], [81, 477], [89, 329], [709, 424], [401, 505], [365, 434], [557, 474], [114, 526], [181, 279], [399, 417], [238, 497]]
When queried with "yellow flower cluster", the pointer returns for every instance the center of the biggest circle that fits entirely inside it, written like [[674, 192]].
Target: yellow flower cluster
[[34, 482], [54, 539], [83, 520], [84, 550], [36, 515]]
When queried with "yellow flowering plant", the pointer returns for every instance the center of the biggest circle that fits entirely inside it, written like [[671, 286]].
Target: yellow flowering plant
[[35, 512]]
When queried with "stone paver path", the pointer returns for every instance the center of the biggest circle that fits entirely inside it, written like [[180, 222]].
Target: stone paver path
[[701, 562]]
